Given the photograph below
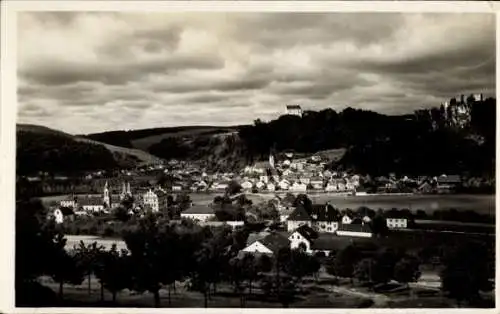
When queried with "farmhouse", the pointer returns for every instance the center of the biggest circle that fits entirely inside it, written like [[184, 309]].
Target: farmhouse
[[269, 245], [325, 218], [63, 213], [302, 238], [347, 219]]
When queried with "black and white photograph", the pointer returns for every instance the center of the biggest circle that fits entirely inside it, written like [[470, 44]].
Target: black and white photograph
[[254, 159]]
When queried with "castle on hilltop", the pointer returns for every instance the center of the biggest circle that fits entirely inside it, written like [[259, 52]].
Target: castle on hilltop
[[458, 111]]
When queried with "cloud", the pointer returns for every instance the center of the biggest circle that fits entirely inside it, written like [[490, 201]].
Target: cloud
[[90, 72]]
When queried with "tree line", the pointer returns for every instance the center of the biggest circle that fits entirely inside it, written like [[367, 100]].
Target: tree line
[[415, 144]]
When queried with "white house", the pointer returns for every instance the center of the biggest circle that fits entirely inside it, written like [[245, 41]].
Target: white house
[[397, 223], [258, 247], [331, 187], [269, 245], [176, 188], [264, 179], [69, 202], [298, 187], [366, 219], [61, 214], [271, 187], [301, 238], [305, 179], [287, 172], [150, 198], [198, 213], [346, 219], [317, 183], [284, 184], [260, 185], [295, 110], [246, 185], [325, 218]]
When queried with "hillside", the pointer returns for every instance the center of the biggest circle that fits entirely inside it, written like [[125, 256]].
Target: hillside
[[145, 138], [40, 148], [428, 142]]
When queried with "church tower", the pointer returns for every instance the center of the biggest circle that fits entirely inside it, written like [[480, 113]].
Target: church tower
[[129, 192], [124, 192], [106, 199]]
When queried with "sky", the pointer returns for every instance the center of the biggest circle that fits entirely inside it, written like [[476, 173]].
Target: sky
[[83, 72]]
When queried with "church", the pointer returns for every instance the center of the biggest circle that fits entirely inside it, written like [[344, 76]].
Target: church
[[98, 203]]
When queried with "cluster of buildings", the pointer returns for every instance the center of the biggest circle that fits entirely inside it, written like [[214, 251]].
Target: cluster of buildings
[[145, 200], [323, 230]]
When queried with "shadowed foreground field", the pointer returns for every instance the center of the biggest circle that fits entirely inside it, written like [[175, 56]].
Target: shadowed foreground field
[[314, 294]]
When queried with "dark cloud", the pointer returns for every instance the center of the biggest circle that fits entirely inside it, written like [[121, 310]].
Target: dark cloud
[[89, 72], [59, 72]]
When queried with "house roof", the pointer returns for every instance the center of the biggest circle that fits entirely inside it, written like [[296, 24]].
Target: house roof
[[307, 232], [256, 236], [293, 107], [275, 242], [299, 214], [90, 201], [364, 228], [322, 214], [66, 211]]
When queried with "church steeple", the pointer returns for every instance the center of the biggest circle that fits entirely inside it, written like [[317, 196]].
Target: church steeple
[[106, 199], [124, 191]]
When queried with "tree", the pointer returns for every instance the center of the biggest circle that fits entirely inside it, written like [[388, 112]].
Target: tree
[[379, 225], [364, 270], [183, 201], [64, 267], [154, 248], [265, 264], [303, 200], [343, 263], [116, 270], [407, 270], [86, 256], [233, 188], [466, 272], [121, 213]]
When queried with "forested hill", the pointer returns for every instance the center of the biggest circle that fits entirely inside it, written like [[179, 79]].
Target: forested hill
[[43, 149], [431, 141], [426, 142]]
